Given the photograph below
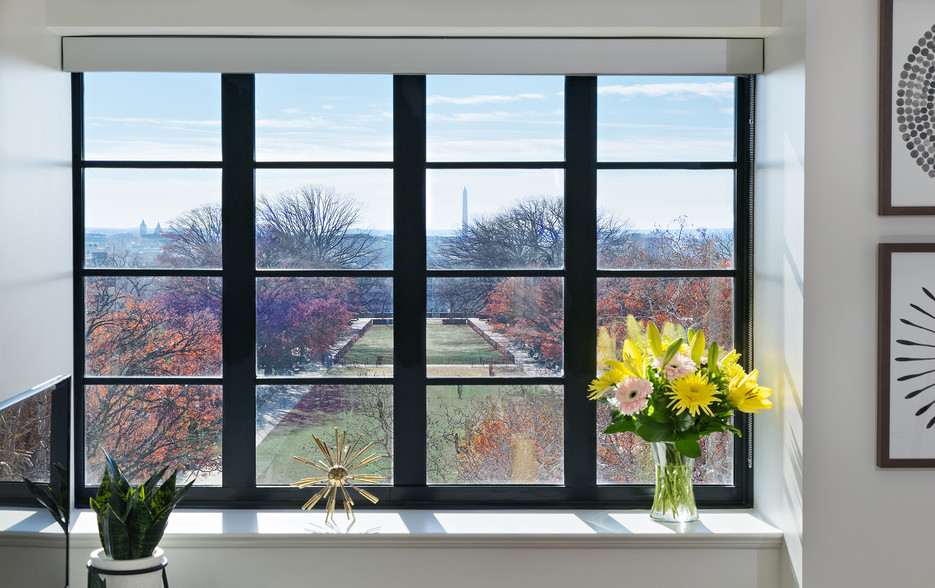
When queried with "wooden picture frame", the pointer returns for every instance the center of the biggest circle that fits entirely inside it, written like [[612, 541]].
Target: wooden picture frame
[[906, 355], [907, 130]]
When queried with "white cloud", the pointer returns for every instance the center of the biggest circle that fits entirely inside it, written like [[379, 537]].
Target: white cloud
[[505, 149], [649, 148], [481, 99], [290, 111], [673, 91], [726, 110], [179, 148], [327, 107], [295, 123], [153, 121], [471, 117]]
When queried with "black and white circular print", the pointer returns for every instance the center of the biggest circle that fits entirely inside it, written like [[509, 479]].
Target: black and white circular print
[[915, 103]]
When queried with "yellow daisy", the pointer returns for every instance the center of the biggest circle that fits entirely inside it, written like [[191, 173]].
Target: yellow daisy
[[693, 393]]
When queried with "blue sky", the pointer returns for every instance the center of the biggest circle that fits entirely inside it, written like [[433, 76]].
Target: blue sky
[[470, 118]]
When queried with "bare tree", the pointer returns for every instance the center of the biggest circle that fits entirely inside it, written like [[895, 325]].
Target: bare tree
[[194, 239], [529, 234], [313, 227]]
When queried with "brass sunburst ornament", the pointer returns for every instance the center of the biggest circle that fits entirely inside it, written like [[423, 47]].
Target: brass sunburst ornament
[[341, 461]]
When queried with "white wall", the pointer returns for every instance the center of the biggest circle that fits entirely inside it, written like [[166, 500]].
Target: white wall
[[35, 202], [779, 287], [863, 526]]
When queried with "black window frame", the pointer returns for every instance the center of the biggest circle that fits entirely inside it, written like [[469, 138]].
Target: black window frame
[[239, 379]]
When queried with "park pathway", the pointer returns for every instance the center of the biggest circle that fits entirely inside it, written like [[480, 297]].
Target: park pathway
[[522, 359], [272, 405]]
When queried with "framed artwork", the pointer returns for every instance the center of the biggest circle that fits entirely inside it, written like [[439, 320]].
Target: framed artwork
[[907, 99], [906, 355]]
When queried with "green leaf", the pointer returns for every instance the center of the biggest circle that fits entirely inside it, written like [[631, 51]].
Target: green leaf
[[684, 420], [621, 427], [52, 503], [64, 496], [163, 496], [655, 339], [139, 521], [153, 535], [671, 351], [176, 498], [689, 446], [652, 431], [105, 495], [658, 416], [94, 579], [149, 486], [115, 537], [120, 481]]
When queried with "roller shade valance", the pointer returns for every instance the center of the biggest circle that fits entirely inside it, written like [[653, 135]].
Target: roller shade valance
[[563, 56]]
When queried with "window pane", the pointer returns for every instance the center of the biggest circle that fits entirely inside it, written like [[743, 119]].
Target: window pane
[[325, 219], [142, 326], [623, 458], [139, 218], [666, 219], [491, 219], [687, 303], [324, 117], [324, 327], [152, 116], [495, 118], [288, 417], [654, 118], [494, 327], [697, 303], [148, 427], [495, 434], [25, 438]]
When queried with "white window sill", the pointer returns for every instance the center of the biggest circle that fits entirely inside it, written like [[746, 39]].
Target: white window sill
[[728, 529]]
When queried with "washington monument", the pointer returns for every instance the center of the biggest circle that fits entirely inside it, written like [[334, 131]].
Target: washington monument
[[464, 220]]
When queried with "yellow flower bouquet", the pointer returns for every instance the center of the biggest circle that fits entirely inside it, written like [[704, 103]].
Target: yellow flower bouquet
[[671, 393]]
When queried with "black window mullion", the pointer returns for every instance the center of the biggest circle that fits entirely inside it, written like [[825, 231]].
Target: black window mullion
[[239, 283], [77, 144], [580, 284], [409, 414], [743, 284]]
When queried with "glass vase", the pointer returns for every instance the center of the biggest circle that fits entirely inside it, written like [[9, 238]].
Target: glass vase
[[674, 498]]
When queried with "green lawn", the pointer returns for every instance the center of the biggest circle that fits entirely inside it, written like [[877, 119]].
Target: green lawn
[[445, 344], [458, 344], [451, 350], [349, 408], [376, 346]]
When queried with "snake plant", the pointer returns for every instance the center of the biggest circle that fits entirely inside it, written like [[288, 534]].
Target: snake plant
[[131, 521]]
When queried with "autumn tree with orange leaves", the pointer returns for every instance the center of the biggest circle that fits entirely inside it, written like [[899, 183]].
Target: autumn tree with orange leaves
[[513, 437], [131, 330]]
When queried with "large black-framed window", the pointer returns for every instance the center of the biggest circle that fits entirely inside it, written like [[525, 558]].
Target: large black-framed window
[[232, 281]]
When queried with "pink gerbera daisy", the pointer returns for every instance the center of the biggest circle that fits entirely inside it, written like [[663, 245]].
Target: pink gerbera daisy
[[677, 367], [631, 395]]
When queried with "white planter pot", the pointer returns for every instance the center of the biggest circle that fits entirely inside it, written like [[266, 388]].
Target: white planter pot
[[151, 579]]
